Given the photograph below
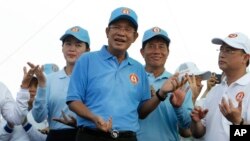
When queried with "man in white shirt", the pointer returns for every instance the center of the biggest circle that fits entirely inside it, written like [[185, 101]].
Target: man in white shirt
[[228, 102]]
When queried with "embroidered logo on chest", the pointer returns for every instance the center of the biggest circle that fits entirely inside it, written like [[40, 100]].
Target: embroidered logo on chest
[[133, 78], [239, 97]]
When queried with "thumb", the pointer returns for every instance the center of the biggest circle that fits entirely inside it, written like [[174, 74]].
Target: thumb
[[230, 103], [240, 105], [171, 98]]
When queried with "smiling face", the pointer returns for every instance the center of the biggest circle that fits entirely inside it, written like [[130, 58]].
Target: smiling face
[[155, 52], [72, 48], [121, 34]]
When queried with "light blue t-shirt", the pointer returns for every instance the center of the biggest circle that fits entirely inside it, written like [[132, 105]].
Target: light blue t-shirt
[[51, 101], [109, 88], [162, 123]]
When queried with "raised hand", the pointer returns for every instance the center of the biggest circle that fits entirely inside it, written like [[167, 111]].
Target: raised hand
[[198, 113], [38, 71], [172, 84], [27, 75], [178, 96], [67, 120], [211, 82], [194, 87], [232, 113]]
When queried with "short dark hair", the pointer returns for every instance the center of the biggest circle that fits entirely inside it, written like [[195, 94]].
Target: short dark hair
[[133, 25], [87, 45]]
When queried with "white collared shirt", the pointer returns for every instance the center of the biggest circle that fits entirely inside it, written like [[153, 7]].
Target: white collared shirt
[[217, 126]]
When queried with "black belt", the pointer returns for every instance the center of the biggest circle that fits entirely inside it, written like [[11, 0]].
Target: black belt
[[62, 134], [63, 131], [112, 134]]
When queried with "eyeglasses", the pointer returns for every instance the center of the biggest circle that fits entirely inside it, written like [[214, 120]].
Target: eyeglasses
[[124, 29], [229, 50]]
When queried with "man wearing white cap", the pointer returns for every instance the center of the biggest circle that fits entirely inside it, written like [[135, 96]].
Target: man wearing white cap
[[213, 121], [192, 70], [165, 122], [195, 77], [109, 90]]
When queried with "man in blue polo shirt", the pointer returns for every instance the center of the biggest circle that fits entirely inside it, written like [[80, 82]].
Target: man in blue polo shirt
[[108, 90], [169, 118]]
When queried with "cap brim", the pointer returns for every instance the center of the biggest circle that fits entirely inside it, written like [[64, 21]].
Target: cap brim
[[74, 35], [157, 35], [166, 38], [205, 75], [125, 17], [219, 41], [66, 35]]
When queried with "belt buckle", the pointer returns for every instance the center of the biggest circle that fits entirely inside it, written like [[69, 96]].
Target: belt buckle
[[114, 134]]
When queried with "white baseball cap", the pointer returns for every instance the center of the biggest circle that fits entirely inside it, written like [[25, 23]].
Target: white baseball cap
[[236, 40], [191, 69]]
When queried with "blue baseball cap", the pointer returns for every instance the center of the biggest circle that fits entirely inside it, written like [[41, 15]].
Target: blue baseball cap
[[153, 32], [124, 13], [79, 33], [49, 68]]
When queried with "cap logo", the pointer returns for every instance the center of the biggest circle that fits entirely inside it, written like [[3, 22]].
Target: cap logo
[[133, 78], [75, 29], [232, 35], [125, 11], [156, 29]]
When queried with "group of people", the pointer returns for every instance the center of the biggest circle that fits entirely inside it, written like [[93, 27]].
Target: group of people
[[26, 128], [106, 95]]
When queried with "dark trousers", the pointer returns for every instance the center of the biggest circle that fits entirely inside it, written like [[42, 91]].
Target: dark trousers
[[62, 135], [91, 135]]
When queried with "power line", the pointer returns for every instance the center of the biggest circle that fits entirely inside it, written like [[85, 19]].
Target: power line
[[35, 33]]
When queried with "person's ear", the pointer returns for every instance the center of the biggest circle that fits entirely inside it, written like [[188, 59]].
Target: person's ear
[[136, 35]]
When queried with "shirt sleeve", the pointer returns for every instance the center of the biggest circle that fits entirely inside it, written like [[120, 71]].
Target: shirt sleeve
[[5, 131], [10, 110], [183, 116], [34, 134], [183, 112], [39, 110], [22, 99]]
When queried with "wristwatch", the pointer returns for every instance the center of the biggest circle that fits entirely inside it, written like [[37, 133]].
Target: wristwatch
[[160, 97]]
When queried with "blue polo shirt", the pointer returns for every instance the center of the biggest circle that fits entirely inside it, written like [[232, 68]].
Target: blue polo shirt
[[162, 124], [109, 88], [50, 101]]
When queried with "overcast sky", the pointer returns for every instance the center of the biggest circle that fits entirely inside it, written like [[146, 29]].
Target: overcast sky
[[30, 29]]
